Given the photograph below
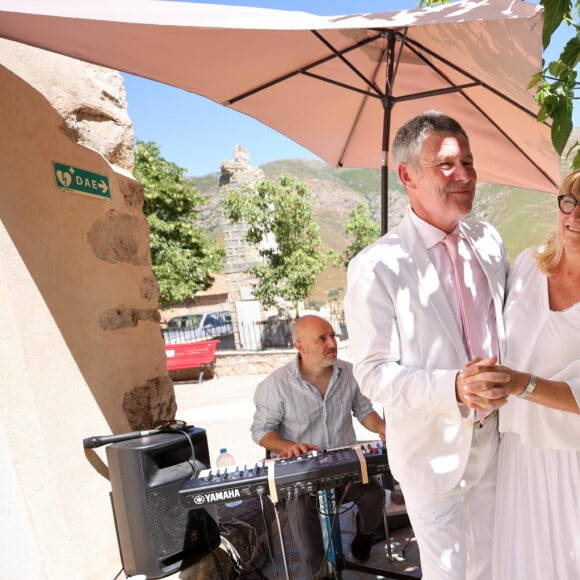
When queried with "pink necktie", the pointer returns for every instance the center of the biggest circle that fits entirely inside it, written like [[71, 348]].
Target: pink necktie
[[471, 324]]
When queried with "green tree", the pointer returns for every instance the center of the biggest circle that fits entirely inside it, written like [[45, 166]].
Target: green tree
[[556, 84], [183, 255], [362, 228], [280, 223]]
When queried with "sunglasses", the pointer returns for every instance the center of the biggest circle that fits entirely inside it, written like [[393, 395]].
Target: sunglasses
[[567, 203]]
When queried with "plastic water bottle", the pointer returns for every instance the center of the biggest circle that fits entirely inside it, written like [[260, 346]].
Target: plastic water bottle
[[225, 459]]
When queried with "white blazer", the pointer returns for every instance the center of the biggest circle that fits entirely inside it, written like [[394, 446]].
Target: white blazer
[[407, 348]]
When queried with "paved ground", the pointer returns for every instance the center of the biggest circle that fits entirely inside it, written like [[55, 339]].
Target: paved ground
[[224, 408]]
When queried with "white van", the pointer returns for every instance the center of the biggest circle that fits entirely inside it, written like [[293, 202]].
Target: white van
[[201, 326]]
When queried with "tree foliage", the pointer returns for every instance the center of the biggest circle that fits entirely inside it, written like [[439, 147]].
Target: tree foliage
[[362, 228], [183, 255], [280, 223], [556, 84]]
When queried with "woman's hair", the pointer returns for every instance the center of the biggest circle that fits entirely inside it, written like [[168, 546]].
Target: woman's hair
[[549, 255]]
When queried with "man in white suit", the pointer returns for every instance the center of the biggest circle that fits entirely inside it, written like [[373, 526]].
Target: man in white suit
[[406, 323]]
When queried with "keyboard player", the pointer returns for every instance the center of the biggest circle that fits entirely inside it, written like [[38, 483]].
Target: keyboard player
[[307, 405]]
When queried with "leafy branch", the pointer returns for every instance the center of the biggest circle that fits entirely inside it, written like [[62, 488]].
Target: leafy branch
[[556, 84]]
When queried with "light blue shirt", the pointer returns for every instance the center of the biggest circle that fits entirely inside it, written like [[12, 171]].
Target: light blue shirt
[[289, 405]]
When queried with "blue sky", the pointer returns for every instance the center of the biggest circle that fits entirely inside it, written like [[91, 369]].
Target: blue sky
[[198, 134]]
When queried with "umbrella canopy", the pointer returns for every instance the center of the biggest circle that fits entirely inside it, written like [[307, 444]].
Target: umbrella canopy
[[336, 85]]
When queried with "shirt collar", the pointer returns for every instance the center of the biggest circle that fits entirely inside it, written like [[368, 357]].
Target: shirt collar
[[429, 234], [296, 366], [336, 368]]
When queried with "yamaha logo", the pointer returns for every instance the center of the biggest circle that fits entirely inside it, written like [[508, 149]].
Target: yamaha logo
[[198, 500]]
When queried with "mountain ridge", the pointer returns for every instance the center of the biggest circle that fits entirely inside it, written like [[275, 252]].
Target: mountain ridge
[[522, 217]]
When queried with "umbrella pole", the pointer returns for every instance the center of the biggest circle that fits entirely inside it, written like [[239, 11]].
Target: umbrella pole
[[387, 101], [385, 168]]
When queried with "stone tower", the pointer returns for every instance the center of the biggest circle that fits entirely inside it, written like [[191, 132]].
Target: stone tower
[[241, 256]]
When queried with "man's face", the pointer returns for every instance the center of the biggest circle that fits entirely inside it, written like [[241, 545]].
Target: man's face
[[443, 189], [317, 344]]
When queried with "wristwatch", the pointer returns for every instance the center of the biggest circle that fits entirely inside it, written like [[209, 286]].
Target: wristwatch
[[529, 389]]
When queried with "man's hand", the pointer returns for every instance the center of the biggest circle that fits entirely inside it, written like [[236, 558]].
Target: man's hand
[[375, 423], [483, 385], [383, 433], [297, 449]]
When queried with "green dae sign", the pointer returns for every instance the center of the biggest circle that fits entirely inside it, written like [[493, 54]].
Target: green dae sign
[[74, 179]]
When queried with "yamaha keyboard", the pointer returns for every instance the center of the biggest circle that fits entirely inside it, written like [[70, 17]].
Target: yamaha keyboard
[[286, 478]]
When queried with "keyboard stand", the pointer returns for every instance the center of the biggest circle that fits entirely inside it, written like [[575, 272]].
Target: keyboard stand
[[330, 525], [277, 508]]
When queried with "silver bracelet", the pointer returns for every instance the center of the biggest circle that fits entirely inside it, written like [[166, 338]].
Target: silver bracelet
[[529, 388]]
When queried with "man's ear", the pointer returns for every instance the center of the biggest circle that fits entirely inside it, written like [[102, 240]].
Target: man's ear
[[298, 345], [405, 174]]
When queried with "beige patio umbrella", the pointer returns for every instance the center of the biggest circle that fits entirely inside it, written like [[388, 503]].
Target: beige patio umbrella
[[339, 85]]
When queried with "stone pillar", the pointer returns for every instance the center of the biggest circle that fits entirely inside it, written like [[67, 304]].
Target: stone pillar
[[81, 352]]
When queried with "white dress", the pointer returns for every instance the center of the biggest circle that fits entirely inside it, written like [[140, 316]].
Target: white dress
[[537, 523]]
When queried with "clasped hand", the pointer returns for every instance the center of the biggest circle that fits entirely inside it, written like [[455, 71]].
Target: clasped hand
[[483, 384]]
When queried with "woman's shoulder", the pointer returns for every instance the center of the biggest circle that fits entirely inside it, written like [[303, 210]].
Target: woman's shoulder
[[525, 259], [523, 268]]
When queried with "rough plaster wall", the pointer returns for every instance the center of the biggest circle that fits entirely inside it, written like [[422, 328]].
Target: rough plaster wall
[[90, 99], [81, 349], [93, 267], [56, 521]]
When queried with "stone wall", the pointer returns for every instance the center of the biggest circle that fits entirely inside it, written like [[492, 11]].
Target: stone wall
[[232, 363]]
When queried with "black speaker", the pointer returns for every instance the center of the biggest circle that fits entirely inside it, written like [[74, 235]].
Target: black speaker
[[156, 535]]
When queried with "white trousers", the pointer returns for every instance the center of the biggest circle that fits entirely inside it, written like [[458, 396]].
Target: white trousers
[[454, 530]]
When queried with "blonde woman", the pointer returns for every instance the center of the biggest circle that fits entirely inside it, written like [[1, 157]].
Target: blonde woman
[[537, 522]]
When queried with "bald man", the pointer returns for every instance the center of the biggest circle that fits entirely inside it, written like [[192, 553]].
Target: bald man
[[307, 405]]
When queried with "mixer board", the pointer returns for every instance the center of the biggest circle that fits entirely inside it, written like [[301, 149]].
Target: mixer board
[[286, 478]]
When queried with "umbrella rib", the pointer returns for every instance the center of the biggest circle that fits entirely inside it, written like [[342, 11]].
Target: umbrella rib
[[516, 146], [361, 110], [435, 92], [303, 70], [340, 55], [339, 84], [417, 47], [403, 39], [476, 82], [260, 88]]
